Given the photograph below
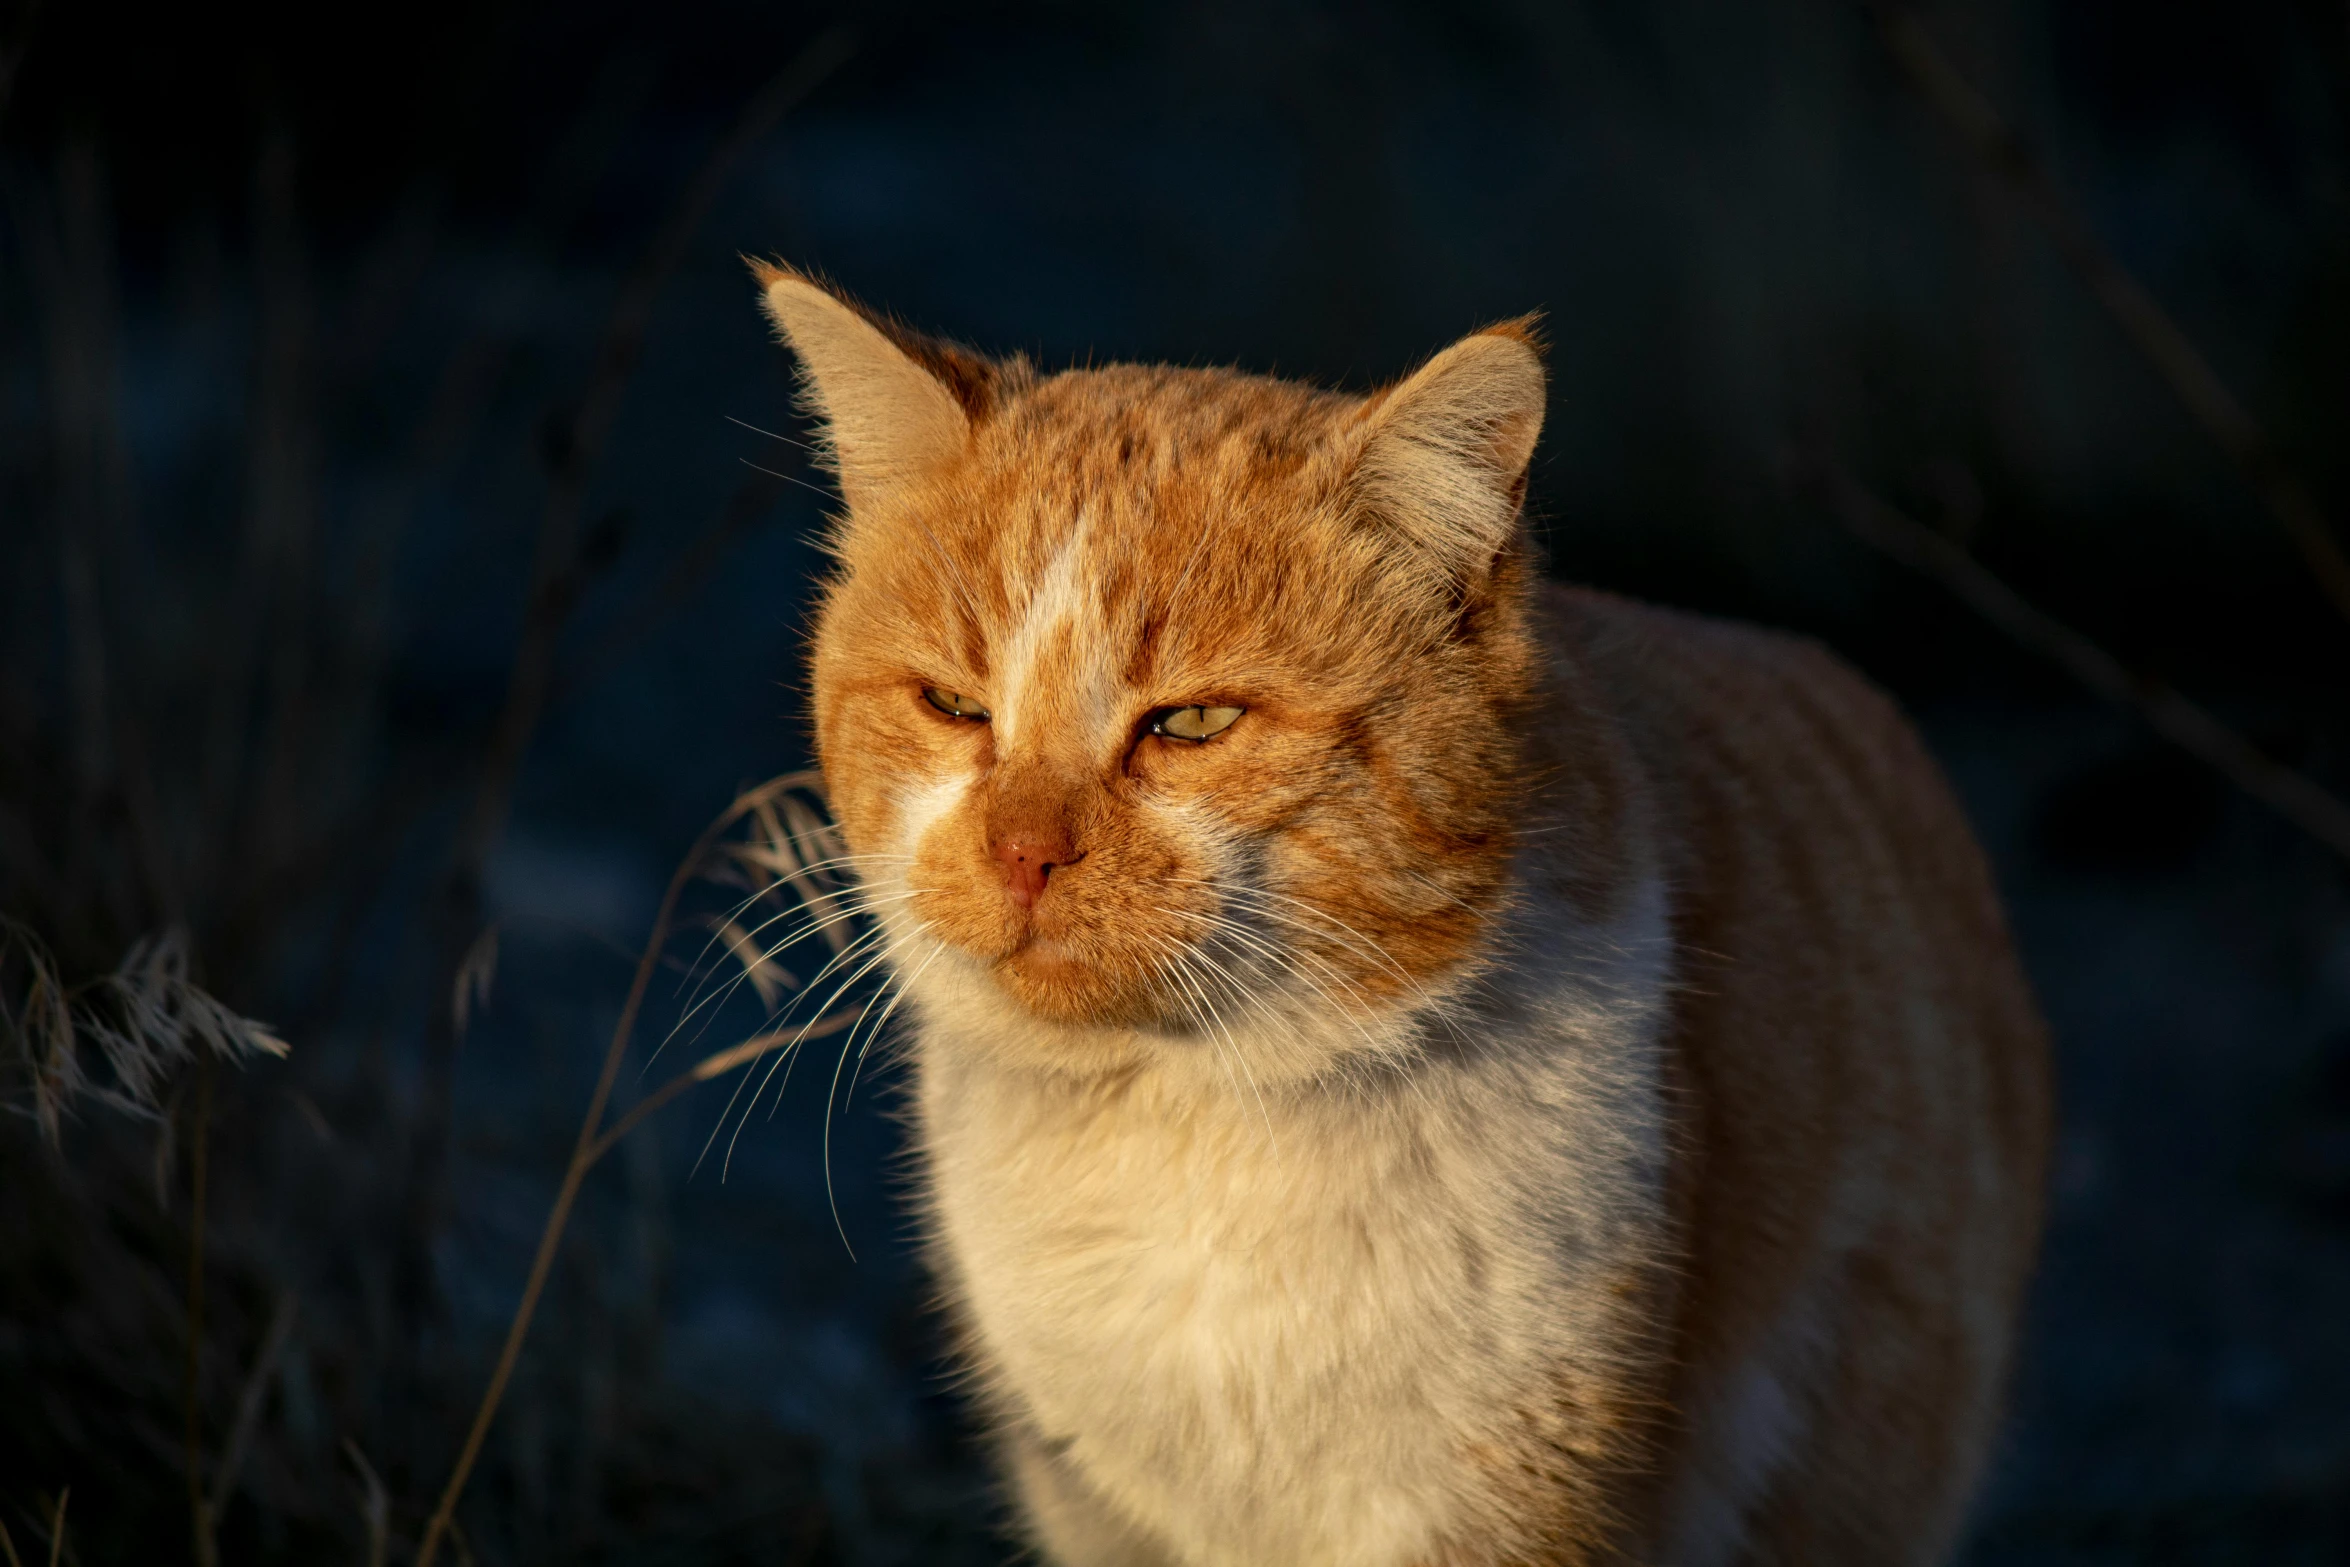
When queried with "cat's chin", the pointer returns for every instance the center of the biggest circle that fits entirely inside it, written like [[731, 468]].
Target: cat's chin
[[1061, 983]]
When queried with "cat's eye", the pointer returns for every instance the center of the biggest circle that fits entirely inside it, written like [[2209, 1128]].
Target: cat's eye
[[1194, 723], [954, 703]]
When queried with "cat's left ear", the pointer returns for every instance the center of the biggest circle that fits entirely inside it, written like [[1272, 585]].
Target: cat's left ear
[[896, 406], [1444, 463]]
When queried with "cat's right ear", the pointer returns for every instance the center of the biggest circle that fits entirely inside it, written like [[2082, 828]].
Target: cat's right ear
[[895, 406], [1445, 452]]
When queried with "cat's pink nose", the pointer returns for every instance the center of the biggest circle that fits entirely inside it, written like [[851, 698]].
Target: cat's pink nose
[[1027, 859]]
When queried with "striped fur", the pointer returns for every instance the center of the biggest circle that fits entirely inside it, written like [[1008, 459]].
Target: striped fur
[[1548, 1084]]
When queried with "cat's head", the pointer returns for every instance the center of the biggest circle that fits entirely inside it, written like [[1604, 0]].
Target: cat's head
[[1162, 702]]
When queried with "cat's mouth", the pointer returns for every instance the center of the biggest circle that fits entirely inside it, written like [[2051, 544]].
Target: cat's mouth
[[1098, 947], [1072, 981], [1040, 949], [1051, 963]]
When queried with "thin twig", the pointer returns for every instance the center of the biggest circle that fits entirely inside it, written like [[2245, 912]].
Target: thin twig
[[57, 1528], [583, 437], [2174, 357], [2292, 795], [232, 1457], [375, 1508], [8, 1546], [199, 1145], [436, 438], [555, 581], [718, 1064], [586, 1148], [750, 501]]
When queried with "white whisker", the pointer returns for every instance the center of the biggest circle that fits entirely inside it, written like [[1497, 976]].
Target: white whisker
[[886, 947], [1287, 963], [718, 998], [1216, 971], [782, 1055], [1436, 1011], [1215, 1023], [902, 987]]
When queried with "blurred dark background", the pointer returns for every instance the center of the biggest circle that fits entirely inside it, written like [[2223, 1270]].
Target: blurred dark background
[[395, 577]]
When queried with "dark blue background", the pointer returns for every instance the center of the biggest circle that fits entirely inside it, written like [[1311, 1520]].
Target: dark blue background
[[1744, 231]]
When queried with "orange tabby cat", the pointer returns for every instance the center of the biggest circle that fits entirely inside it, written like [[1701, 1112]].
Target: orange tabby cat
[[1415, 1066]]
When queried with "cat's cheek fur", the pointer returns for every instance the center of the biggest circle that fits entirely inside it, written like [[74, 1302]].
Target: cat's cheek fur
[[957, 891]]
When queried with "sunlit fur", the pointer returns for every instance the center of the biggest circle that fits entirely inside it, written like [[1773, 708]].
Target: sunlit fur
[[1547, 1084]]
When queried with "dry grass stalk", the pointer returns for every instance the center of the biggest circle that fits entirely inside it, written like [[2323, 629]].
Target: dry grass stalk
[[2292, 795], [375, 1506], [2174, 356], [475, 976], [200, 1145], [666, 598], [145, 1021], [720, 1062], [240, 1441], [225, 842], [555, 583], [553, 574], [436, 437], [793, 844]]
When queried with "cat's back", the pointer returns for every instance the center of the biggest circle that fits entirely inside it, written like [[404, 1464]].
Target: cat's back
[[1814, 858], [1857, 1079]]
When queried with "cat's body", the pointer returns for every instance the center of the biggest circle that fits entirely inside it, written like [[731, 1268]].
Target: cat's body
[[1539, 1080]]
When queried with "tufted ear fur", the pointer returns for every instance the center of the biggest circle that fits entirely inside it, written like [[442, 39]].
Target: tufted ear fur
[[1444, 463], [896, 406]]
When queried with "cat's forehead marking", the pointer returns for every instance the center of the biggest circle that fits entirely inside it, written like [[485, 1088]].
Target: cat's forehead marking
[[1051, 670]]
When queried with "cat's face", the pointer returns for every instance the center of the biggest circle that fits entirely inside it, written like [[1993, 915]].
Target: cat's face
[[1162, 701]]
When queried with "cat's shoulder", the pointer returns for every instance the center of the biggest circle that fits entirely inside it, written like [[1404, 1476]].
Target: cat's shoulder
[[1749, 746], [1633, 644], [1678, 681]]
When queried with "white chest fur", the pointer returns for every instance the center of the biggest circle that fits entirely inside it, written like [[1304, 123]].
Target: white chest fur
[[1280, 1330]]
